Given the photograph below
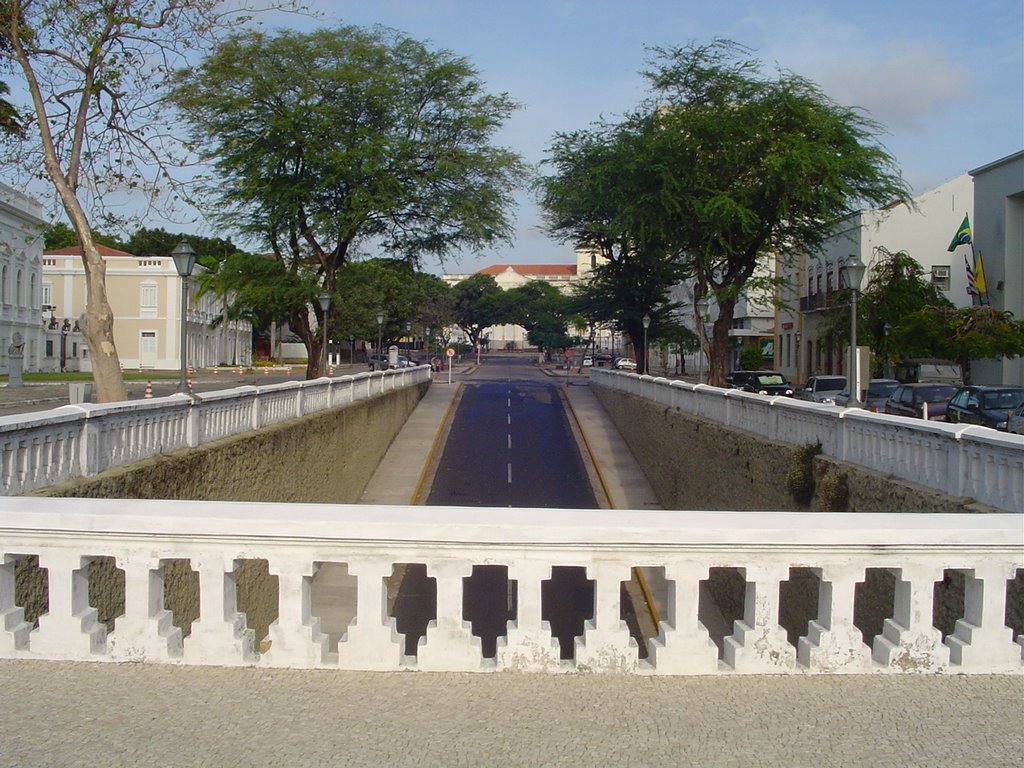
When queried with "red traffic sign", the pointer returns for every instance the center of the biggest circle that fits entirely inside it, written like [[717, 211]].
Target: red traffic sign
[[449, 352]]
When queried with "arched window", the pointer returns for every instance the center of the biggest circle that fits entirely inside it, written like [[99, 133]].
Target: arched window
[[19, 297], [33, 298], [3, 285]]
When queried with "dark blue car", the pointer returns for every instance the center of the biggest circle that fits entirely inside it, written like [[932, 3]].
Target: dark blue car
[[987, 406]]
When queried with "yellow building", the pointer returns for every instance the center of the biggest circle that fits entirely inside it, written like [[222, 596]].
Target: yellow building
[[145, 296]]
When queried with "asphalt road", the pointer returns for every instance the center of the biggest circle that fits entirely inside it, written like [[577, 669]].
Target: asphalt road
[[511, 445]]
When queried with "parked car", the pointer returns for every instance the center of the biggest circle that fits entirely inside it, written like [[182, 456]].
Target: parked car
[[378, 362], [875, 395], [987, 406], [1015, 423], [588, 361], [624, 363], [822, 389], [761, 382], [929, 371], [912, 399]]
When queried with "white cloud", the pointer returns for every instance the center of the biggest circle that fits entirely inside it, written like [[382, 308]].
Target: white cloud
[[902, 86]]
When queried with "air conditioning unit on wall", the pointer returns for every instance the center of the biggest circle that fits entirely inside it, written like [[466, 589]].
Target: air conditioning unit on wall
[[940, 273]]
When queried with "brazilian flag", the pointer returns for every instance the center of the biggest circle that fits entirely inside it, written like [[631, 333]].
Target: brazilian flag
[[962, 236]]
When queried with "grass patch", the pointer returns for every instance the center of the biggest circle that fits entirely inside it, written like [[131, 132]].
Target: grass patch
[[58, 378]]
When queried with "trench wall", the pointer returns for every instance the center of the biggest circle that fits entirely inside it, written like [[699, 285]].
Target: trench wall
[[325, 457], [693, 463]]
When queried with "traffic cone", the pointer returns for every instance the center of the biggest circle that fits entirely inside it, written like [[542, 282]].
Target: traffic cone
[[330, 371], [188, 379], [266, 371], [149, 390], [216, 371]]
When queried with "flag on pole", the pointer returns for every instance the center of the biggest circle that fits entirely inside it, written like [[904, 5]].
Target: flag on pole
[[962, 236], [970, 277], [979, 276]]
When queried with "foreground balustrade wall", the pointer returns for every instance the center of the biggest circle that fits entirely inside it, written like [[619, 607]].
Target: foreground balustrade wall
[[42, 449], [962, 461], [48, 598]]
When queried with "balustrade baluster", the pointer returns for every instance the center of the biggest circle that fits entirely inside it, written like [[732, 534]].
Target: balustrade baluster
[[217, 635], [683, 645], [68, 630], [450, 645], [908, 641], [529, 645], [294, 640], [981, 640], [14, 630], [606, 645], [372, 642], [759, 644], [146, 631], [833, 642]]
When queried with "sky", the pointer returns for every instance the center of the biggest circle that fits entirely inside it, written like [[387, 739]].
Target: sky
[[945, 79]]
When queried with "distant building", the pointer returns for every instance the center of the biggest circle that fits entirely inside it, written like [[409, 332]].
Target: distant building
[[998, 231], [802, 348], [145, 296], [562, 276], [21, 248]]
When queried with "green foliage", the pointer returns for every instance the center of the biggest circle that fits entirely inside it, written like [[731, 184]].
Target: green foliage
[[753, 165], [59, 235], [477, 305], [328, 139], [750, 357], [10, 120], [722, 169], [800, 478], [834, 492], [960, 334]]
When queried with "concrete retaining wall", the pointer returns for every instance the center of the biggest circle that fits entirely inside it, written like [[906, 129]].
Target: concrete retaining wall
[[693, 463], [327, 457]]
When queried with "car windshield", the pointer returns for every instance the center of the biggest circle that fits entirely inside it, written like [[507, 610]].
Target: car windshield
[[770, 379], [830, 385], [1005, 400], [882, 388], [935, 394]]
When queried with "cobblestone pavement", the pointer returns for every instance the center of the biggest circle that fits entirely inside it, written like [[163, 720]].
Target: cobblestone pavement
[[76, 714]]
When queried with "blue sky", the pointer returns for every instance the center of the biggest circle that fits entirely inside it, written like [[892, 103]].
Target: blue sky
[[946, 79]]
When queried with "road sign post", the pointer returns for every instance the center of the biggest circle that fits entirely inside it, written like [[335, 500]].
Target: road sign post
[[449, 353]]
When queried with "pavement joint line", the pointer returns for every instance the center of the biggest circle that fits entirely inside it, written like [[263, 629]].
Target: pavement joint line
[[433, 446]]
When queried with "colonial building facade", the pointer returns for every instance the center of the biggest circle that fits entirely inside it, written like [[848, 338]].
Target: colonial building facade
[[21, 246], [145, 296]]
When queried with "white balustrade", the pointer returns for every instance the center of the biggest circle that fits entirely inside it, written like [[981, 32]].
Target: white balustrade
[[65, 535], [49, 447], [975, 462]]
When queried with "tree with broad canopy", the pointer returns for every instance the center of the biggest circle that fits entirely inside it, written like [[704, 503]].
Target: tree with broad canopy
[[346, 138], [723, 168]]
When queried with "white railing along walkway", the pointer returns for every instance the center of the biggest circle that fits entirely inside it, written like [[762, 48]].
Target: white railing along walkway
[[41, 449], [963, 461], [296, 541]]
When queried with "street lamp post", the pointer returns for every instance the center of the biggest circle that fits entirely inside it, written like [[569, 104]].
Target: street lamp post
[[380, 328], [426, 339], [647, 358], [325, 304], [701, 306], [798, 357], [854, 270], [184, 262]]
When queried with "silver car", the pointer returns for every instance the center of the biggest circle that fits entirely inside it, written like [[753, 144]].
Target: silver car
[[1015, 423]]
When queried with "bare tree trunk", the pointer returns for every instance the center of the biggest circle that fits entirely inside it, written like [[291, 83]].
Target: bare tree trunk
[[719, 344], [98, 323]]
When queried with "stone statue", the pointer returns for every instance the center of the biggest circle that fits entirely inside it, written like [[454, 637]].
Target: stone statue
[[15, 357]]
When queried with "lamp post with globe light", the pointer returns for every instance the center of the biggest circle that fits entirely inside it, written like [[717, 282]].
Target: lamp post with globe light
[[325, 304], [647, 324], [380, 330], [702, 310], [184, 262], [853, 271]]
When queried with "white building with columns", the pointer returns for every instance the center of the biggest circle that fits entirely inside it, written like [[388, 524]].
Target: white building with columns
[[21, 248]]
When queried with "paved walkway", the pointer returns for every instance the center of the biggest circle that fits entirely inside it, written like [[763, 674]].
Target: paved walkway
[[74, 714]]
